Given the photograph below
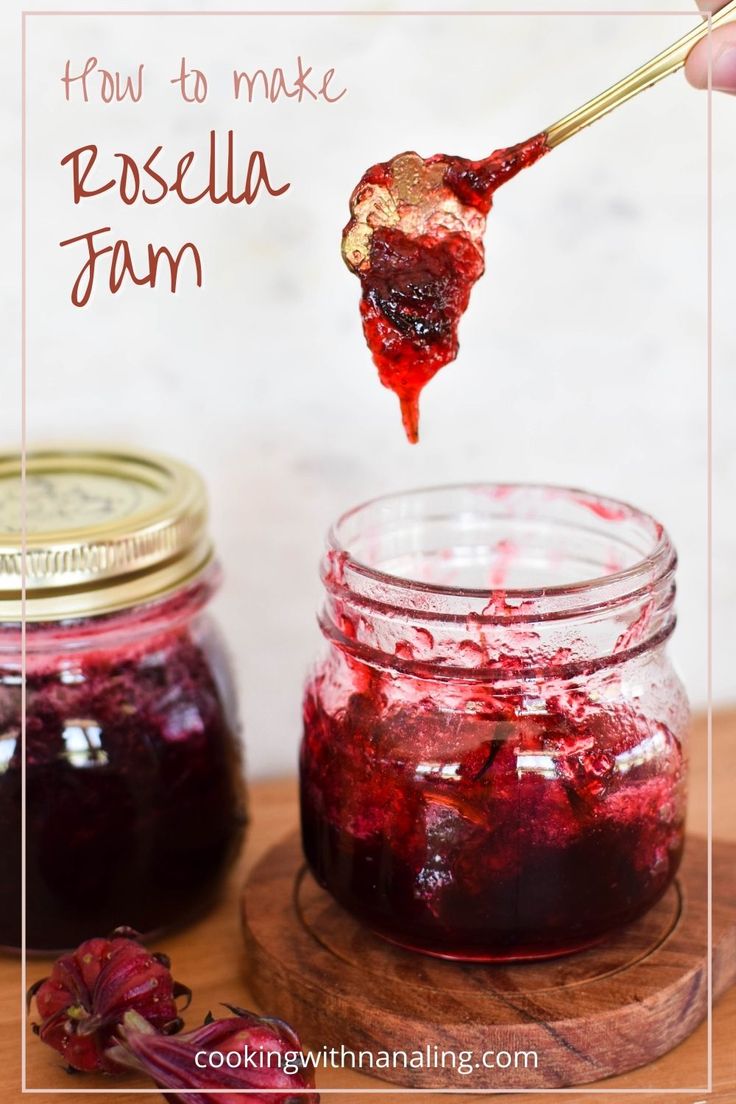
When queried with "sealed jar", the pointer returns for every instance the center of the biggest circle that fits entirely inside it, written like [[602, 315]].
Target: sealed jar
[[134, 796], [493, 764]]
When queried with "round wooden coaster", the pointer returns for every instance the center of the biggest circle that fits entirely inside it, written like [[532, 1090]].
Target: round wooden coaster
[[589, 1015]]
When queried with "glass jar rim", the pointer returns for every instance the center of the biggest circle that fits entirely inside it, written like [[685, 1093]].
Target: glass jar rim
[[564, 599], [90, 632]]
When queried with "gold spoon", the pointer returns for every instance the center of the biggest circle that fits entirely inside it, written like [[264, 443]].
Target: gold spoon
[[645, 76]]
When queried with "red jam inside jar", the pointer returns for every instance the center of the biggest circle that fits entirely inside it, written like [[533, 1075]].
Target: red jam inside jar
[[493, 763], [135, 802]]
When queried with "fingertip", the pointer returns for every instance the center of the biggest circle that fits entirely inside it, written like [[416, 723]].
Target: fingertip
[[696, 67], [720, 56]]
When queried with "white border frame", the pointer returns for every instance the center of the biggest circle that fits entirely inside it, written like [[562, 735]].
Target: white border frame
[[387, 1088]]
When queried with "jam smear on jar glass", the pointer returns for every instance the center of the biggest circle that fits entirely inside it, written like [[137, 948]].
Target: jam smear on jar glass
[[415, 240], [495, 775], [135, 801]]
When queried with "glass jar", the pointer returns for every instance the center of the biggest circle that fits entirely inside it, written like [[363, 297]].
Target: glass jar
[[493, 764], [134, 794]]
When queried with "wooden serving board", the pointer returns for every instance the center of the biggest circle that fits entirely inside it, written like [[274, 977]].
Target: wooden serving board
[[588, 1016]]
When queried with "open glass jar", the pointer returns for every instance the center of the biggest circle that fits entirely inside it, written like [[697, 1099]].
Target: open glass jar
[[134, 794], [493, 764]]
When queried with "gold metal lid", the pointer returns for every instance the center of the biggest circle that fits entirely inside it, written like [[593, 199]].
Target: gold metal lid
[[107, 529]]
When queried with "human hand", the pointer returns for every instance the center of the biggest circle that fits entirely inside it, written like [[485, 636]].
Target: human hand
[[724, 55]]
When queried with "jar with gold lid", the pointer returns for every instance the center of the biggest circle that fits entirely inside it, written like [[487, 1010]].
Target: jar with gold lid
[[134, 801]]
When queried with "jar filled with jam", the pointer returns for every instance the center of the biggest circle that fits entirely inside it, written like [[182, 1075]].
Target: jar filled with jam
[[493, 764], [114, 678]]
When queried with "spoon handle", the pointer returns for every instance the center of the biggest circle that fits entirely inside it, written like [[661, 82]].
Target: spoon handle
[[661, 66]]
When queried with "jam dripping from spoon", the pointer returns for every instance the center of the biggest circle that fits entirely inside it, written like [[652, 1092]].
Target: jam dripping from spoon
[[415, 240], [415, 236]]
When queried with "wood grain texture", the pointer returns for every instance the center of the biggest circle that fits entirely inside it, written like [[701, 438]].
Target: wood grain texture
[[210, 957], [604, 1011]]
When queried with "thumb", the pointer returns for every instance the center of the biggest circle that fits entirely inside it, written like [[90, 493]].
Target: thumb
[[724, 60]]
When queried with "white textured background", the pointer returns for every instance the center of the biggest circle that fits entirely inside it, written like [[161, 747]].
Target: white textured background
[[583, 353]]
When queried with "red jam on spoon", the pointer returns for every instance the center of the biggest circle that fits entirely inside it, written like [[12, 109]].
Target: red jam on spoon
[[415, 240]]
